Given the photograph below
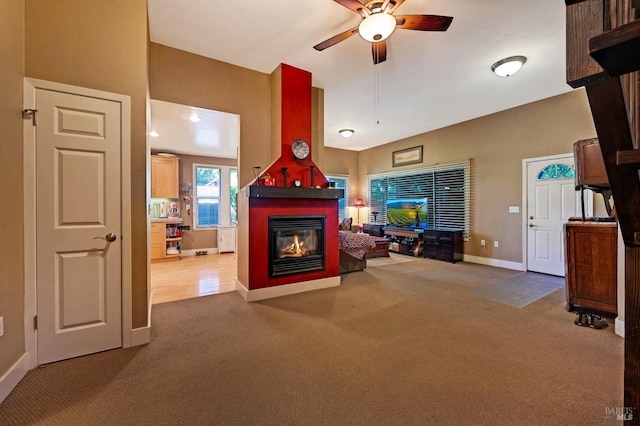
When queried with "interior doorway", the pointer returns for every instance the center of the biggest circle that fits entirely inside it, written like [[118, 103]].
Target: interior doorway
[[550, 200], [204, 146]]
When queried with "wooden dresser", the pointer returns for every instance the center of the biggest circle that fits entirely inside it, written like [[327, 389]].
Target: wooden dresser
[[591, 250]]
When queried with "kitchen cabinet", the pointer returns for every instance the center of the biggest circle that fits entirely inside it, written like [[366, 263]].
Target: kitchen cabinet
[[165, 244], [443, 244], [165, 176], [226, 238], [591, 250]]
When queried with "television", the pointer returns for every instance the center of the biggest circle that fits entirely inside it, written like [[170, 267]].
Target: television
[[407, 212]]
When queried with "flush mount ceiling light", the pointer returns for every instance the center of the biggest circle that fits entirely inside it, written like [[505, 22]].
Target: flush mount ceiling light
[[377, 26], [508, 66], [194, 117], [346, 133], [154, 134]]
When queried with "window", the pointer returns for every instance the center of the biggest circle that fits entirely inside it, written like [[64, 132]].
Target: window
[[445, 187], [556, 171], [342, 182], [215, 192], [233, 195]]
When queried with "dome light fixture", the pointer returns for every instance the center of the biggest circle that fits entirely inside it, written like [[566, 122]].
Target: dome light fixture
[[154, 134], [508, 66], [346, 133], [377, 27]]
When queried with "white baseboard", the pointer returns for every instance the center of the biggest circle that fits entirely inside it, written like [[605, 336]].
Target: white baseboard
[[12, 377], [518, 266], [284, 290], [193, 252], [140, 336], [619, 327]]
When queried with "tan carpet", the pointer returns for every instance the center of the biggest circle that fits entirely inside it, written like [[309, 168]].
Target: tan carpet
[[391, 260], [400, 344]]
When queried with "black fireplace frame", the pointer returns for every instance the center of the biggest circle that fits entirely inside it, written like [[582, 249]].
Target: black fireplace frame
[[297, 265]]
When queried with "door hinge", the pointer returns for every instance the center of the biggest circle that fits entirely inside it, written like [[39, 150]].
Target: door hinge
[[32, 114], [35, 322]]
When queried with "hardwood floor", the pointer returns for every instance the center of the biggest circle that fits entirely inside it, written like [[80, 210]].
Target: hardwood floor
[[193, 276]]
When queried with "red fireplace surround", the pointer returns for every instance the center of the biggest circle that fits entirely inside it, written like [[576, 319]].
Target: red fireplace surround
[[256, 203]]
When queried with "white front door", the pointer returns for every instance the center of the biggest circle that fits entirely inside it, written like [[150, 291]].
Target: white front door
[[551, 201], [78, 225]]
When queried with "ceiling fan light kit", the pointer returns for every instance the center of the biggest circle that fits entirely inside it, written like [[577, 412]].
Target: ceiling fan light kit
[[377, 27], [379, 22], [508, 66], [346, 133]]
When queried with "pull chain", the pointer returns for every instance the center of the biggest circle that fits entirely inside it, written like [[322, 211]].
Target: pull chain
[[376, 96]]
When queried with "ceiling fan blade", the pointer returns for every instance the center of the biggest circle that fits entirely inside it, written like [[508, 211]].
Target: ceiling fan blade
[[423, 22], [336, 39], [379, 51], [394, 5], [354, 5]]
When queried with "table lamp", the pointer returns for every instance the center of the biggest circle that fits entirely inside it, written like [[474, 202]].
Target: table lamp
[[358, 203]]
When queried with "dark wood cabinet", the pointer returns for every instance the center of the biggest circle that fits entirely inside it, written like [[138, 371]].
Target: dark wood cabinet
[[590, 169], [443, 244], [373, 229], [591, 250]]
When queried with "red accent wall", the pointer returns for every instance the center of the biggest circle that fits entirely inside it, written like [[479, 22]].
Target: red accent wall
[[261, 209], [295, 124]]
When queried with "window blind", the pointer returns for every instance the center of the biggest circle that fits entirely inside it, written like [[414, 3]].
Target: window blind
[[445, 186], [342, 182]]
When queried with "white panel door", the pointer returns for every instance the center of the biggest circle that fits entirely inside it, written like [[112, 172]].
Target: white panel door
[[78, 225], [551, 201]]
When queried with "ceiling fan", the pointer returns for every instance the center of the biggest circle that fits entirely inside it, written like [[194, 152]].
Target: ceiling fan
[[378, 22]]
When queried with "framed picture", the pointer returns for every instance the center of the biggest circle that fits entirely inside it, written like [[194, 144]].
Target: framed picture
[[407, 156]]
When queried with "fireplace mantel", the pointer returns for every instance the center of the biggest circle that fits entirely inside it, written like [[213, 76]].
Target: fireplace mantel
[[256, 191]]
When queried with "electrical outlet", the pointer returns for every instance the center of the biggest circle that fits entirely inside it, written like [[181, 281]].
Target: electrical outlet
[[1, 326], [483, 243], [496, 244]]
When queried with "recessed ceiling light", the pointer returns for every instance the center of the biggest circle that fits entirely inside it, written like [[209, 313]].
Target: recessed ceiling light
[[194, 117], [346, 133], [508, 66], [154, 134]]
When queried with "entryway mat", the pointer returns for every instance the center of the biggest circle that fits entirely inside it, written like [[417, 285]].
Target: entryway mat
[[521, 289]]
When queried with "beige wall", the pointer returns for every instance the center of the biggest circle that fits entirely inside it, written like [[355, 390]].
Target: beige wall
[[201, 238], [496, 145], [188, 79], [101, 45], [344, 162], [11, 251]]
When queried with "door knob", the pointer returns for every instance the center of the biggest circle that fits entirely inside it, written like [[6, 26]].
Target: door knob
[[531, 225], [111, 237]]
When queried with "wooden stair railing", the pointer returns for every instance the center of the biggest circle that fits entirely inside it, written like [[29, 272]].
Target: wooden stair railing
[[603, 55]]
